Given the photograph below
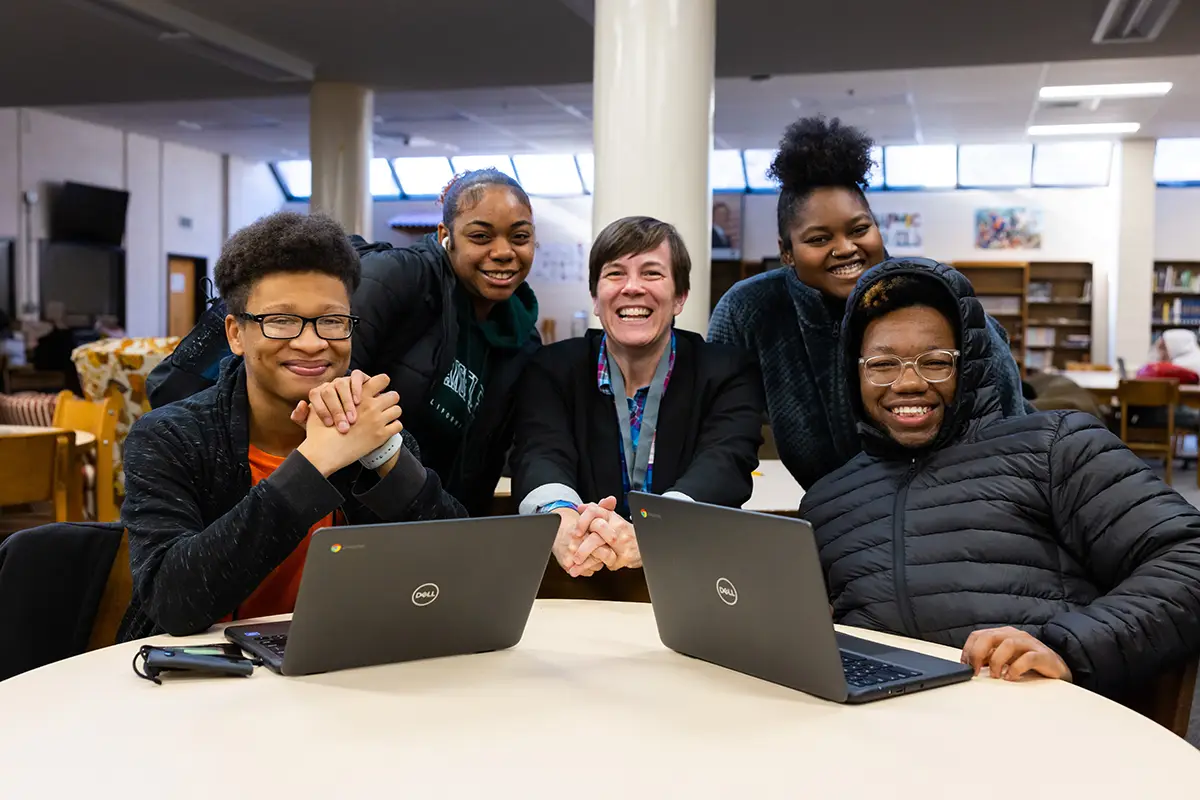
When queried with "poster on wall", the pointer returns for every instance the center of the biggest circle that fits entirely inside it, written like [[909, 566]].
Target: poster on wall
[[901, 233], [727, 227], [1008, 229], [559, 262]]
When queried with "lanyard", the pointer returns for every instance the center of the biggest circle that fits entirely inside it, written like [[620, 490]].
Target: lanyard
[[638, 463]]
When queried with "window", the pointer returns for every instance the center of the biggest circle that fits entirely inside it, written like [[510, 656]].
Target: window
[[1177, 161], [919, 166], [726, 170], [587, 171], [424, 176], [296, 177], [875, 176], [383, 182], [757, 164], [1072, 164], [548, 174], [468, 163], [986, 166]]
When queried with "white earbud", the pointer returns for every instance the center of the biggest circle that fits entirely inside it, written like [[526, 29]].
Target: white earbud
[[445, 242]]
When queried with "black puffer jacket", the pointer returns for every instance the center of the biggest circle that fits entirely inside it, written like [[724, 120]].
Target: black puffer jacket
[[1045, 522]]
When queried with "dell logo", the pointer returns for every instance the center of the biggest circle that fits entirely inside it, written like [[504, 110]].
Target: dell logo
[[726, 591], [425, 594]]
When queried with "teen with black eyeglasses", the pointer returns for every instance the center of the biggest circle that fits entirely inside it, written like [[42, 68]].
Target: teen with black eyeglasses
[[224, 488]]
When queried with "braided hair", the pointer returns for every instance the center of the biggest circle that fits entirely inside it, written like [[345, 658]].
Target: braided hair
[[466, 189], [815, 154]]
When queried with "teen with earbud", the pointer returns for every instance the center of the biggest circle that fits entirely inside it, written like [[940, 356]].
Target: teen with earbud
[[791, 317], [452, 322]]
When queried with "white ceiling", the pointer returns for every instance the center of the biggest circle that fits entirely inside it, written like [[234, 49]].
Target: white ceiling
[[924, 106]]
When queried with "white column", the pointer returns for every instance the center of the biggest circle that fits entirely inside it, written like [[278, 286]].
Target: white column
[[1132, 283], [653, 113], [340, 144]]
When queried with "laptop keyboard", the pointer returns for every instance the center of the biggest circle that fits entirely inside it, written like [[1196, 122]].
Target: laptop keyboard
[[274, 643], [862, 671]]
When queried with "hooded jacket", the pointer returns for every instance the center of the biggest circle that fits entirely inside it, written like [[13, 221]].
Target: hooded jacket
[[1045, 522], [410, 322], [1182, 348], [794, 330]]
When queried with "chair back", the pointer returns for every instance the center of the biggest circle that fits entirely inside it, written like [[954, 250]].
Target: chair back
[[1149, 392], [114, 602], [1168, 700], [99, 418], [33, 469]]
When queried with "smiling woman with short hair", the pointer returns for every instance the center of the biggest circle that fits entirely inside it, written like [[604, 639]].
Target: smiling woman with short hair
[[636, 405]]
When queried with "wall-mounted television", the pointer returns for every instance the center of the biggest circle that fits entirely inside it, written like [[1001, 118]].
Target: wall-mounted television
[[89, 280], [87, 214]]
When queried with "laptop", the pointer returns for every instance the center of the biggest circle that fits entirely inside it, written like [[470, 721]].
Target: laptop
[[378, 594], [745, 591]]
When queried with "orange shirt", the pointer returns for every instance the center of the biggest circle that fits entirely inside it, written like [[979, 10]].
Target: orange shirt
[[277, 593]]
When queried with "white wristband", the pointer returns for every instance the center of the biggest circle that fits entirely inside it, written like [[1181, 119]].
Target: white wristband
[[382, 454]]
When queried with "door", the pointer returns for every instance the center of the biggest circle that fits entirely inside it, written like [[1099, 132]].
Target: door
[[181, 297]]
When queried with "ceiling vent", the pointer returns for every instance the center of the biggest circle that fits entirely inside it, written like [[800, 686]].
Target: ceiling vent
[[1063, 105], [1133, 21], [173, 27]]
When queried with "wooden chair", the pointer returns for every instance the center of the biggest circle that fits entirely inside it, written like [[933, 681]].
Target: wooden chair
[[114, 602], [99, 418], [1148, 394], [1168, 700], [34, 469]]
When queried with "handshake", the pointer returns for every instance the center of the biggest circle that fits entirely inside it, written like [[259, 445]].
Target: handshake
[[347, 419], [593, 536]]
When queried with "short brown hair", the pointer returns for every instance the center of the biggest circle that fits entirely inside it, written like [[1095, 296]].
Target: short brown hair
[[631, 236]]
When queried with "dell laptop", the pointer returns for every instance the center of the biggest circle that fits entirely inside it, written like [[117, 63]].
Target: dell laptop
[[745, 591], [377, 594]]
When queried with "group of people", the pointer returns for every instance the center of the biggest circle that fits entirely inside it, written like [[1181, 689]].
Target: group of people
[[363, 382]]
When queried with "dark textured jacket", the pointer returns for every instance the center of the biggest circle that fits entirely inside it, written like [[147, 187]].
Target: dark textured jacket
[[409, 330], [709, 427], [202, 538], [1045, 522], [793, 330], [51, 580]]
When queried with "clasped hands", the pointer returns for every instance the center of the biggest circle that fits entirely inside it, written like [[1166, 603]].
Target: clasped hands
[[346, 419], [594, 536]]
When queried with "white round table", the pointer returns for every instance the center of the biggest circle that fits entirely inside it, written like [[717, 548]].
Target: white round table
[[589, 704]]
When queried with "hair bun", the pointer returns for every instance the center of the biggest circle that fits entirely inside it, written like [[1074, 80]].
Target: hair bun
[[814, 153]]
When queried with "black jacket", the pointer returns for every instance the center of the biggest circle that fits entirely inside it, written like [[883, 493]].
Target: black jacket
[[709, 427], [709, 432], [1045, 522], [51, 581], [201, 538], [409, 330]]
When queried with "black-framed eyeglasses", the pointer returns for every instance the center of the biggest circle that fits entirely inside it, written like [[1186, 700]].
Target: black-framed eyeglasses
[[330, 327], [933, 366]]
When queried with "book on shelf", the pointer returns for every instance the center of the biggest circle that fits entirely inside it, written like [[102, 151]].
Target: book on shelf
[[1179, 311], [1039, 337], [1001, 304], [1170, 278], [1040, 292]]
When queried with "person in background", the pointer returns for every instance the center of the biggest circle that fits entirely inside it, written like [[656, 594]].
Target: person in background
[[450, 320], [790, 317], [636, 405], [224, 489], [1038, 544]]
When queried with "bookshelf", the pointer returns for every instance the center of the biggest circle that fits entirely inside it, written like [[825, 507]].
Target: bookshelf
[[1176, 302], [1060, 314], [1001, 289]]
